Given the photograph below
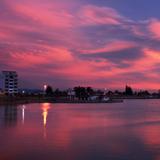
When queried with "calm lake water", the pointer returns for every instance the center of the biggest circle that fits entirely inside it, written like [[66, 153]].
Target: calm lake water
[[124, 131]]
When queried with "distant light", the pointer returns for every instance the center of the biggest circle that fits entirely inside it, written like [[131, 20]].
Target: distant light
[[45, 87]]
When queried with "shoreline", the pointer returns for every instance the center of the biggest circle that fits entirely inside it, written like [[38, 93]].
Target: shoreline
[[18, 101], [41, 99]]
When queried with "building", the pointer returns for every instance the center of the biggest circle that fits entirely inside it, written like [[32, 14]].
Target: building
[[1, 92], [9, 82]]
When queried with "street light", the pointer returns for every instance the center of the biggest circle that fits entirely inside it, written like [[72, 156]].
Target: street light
[[45, 87]]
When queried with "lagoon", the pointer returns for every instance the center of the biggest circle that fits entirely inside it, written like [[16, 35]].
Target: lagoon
[[112, 131]]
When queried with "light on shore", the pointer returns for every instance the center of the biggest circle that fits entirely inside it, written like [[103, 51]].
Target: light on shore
[[45, 87]]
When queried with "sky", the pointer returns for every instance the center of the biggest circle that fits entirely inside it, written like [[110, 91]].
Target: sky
[[66, 43]]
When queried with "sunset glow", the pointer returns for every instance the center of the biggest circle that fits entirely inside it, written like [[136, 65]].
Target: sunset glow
[[103, 44]]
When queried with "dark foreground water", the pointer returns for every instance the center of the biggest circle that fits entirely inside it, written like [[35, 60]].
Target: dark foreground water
[[124, 131]]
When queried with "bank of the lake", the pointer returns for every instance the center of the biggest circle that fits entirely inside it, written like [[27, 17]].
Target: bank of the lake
[[43, 99]]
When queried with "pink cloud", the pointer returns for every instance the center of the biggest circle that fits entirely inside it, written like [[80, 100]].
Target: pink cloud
[[116, 45], [56, 15], [46, 14], [93, 15], [148, 61], [137, 30], [154, 28], [37, 57]]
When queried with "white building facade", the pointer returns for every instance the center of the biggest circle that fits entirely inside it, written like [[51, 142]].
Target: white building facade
[[9, 82]]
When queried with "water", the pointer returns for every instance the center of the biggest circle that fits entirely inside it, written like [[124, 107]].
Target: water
[[124, 131]]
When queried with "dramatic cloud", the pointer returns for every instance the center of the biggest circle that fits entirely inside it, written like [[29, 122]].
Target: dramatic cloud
[[93, 15], [154, 28], [79, 43]]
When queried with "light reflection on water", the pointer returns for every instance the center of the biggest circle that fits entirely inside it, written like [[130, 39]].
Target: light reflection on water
[[124, 131], [23, 113], [45, 108]]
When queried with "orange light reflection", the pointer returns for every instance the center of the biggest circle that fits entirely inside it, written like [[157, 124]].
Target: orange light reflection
[[45, 108]]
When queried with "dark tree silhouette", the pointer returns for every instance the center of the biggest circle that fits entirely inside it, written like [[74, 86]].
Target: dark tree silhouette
[[90, 91], [83, 93], [116, 92], [144, 93], [57, 93], [128, 91], [49, 91], [109, 93], [78, 92]]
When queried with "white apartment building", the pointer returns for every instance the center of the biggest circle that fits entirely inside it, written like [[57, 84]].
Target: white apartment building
[[9, 82]]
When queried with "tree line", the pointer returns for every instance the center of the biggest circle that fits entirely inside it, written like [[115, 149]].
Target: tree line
[[85, 92]]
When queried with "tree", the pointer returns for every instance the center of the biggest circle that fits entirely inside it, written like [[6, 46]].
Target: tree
[[90, 91], [109, 93], [49, 91], [143, 93], [57, 93], [116, 92], [81, 92], [128, 91], [78, 92]]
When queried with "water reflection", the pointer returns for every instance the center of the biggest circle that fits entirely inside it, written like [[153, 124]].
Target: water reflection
[[45, 108], [23, 113], [127, 131], [10, 115]]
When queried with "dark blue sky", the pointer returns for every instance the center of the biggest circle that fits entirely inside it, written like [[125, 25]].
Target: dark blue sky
[[135, 9]]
